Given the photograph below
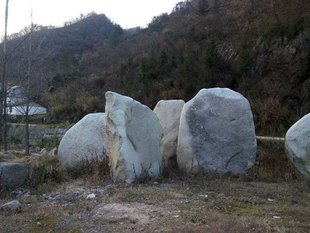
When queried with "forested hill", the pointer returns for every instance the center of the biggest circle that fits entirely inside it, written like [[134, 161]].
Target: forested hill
[[259, 48], [57, 50]]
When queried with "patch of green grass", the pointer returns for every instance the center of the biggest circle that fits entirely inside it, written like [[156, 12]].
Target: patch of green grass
[[197, 217], [47, 224], [13, 141], [248, 211], [50, 144], [59, 125], [135, 196]]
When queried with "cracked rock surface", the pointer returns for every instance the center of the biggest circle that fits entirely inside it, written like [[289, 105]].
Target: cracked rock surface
[[134, 135]]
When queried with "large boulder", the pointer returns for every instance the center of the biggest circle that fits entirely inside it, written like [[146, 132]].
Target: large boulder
[[217, 133], [134, 134], [297, 145], [169, 113], [85, 142], [13, 175]]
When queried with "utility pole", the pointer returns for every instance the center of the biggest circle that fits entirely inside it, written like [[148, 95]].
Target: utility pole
[[4, 82]]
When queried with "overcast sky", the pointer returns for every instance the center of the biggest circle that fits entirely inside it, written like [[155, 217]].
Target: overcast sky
[[127, 13]]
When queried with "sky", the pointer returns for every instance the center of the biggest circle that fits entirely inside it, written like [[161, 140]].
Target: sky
[[127, 13]]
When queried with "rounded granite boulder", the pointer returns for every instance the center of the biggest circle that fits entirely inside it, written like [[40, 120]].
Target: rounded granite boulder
[[217, 133], [297, 145], [85, 142]]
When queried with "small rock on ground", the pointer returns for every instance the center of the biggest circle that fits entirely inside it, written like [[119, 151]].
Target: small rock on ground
[[12, 207]]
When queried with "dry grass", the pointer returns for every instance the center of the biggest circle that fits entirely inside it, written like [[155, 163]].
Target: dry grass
[[93, 172], [272, 163], [175, 203], [171, 205]]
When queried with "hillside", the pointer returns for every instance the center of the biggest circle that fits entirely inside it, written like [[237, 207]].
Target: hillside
[[258, 48]]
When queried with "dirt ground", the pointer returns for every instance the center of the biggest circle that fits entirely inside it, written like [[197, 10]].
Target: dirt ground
[[196, 204]]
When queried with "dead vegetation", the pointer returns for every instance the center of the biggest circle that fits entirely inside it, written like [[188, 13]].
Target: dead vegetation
[[193, 204], [272, 197], [272, 163]]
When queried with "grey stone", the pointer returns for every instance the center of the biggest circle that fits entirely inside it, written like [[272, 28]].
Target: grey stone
[[13, 175], [12, 207], [38, 149], [86, 142], [217, 133], [20, 193], [134, 134], [297, 145], [169, 113]]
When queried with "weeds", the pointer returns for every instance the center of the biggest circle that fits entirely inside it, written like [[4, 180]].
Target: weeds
[[272, 163], [50, 144], [44, 168], [94, 171]]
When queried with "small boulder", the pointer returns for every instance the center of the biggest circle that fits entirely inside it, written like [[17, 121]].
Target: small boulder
[[12, 207], [134, 134], [13, 175], [217, 133], [169, 113], [86, 142], [297, 145], [20, 193]]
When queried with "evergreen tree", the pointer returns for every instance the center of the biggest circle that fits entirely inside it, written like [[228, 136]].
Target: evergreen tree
[[244, 63], [116, 35], [210, 56]]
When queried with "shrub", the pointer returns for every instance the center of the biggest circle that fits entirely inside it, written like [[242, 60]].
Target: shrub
[[45, 168], [278, 26]]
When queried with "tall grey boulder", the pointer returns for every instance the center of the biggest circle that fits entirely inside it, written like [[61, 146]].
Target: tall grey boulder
[[297, 145], [217, 133], [134, 135], [13, 175], [86, 141], [169, 113]]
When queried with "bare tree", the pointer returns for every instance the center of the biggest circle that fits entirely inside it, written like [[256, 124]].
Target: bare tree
[[200, 7], [28, 90]]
